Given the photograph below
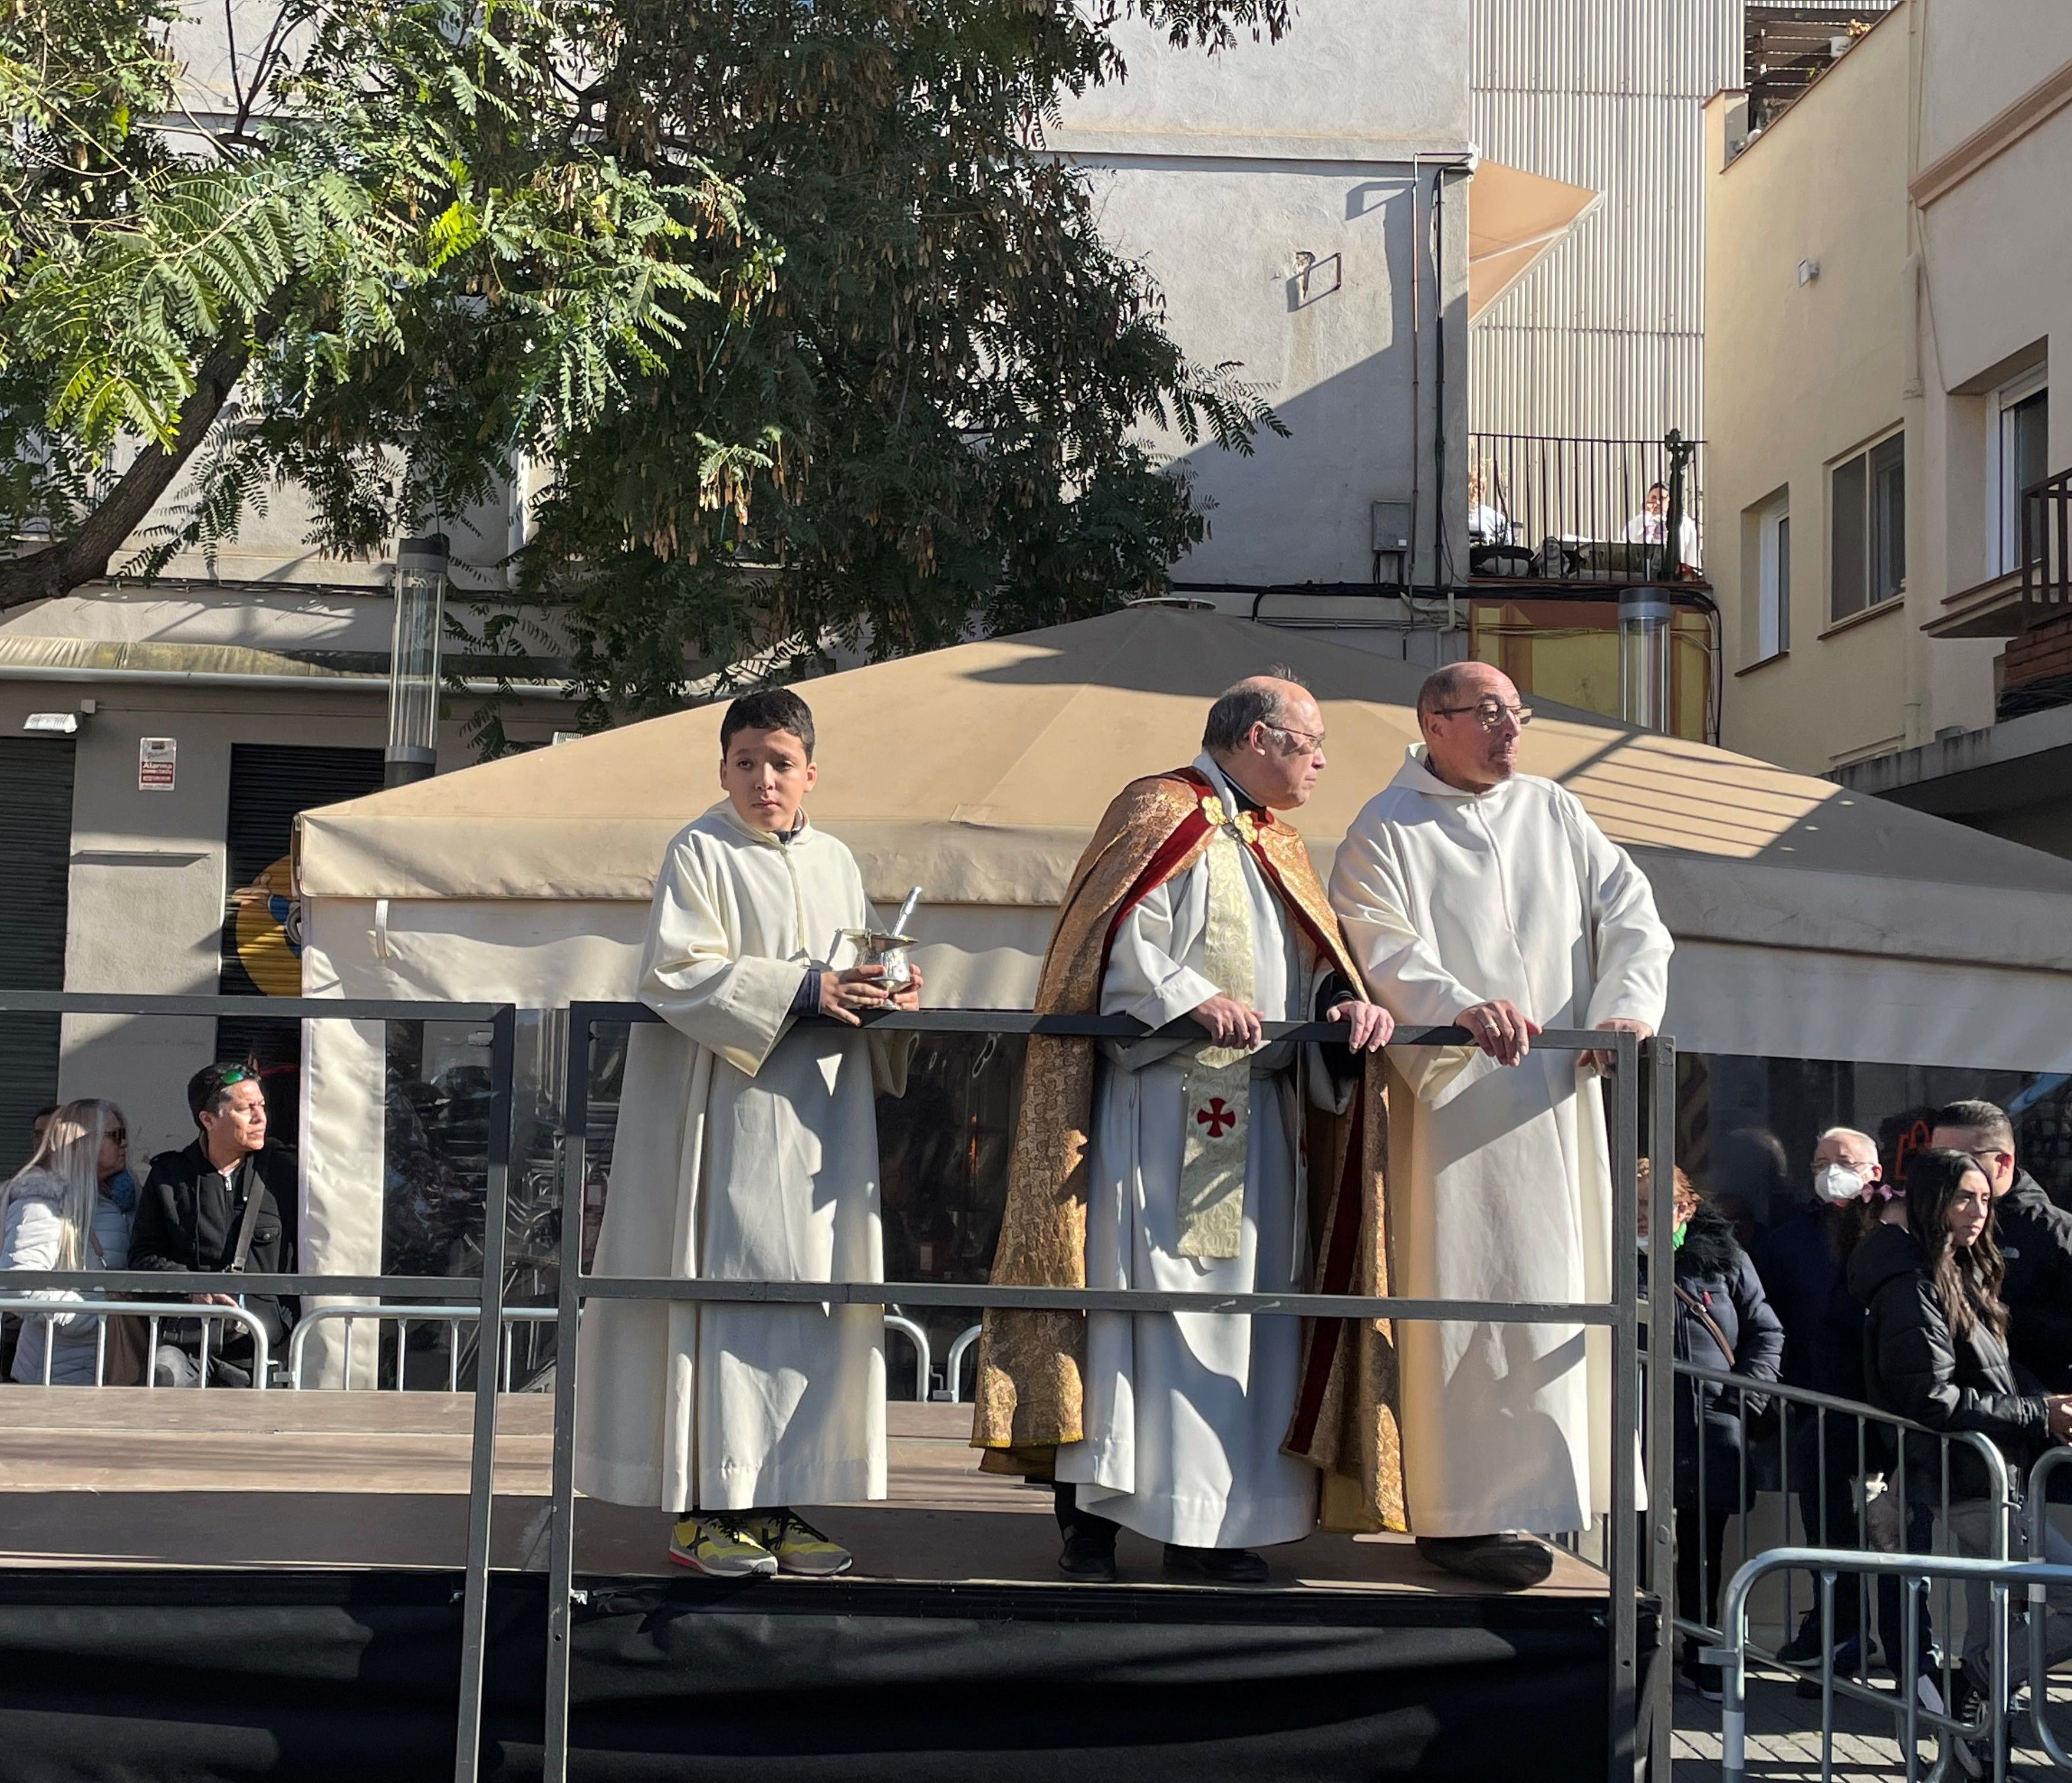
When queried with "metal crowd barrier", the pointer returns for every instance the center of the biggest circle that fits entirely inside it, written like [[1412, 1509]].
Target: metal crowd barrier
[[1913, 1572], [1899, 1464], [484, 1296], [158, 1311], [1630, 1566], [2039, 1532], [403, 1317]]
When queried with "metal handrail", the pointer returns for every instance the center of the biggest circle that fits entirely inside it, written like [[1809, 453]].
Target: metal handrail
[[1620, 1314], [158, 1311]]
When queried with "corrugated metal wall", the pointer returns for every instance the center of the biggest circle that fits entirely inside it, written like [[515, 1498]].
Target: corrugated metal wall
[[1601, 339]]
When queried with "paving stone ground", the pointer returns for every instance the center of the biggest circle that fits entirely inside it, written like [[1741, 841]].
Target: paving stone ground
[[1784, 1740]]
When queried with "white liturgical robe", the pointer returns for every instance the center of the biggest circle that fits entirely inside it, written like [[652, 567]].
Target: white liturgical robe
[[1186, 1412], [1500, 1177], [745, 1150]]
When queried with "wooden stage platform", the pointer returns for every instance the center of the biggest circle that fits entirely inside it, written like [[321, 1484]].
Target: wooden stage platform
[[123, 1478]]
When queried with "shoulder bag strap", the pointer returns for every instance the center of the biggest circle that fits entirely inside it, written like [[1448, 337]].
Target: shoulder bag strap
[[1704, 1315], [255, 1192]]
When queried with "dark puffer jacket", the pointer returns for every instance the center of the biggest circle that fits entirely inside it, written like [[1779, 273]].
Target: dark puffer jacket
[[2035, 1236], [1717, 1274], [1914, 1369]]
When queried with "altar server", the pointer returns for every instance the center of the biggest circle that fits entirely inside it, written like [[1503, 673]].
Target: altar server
[[1178, 1164], [1472, 893], [747, 1148]]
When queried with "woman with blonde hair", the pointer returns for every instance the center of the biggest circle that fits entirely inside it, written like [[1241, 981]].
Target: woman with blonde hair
[[58, 1212]]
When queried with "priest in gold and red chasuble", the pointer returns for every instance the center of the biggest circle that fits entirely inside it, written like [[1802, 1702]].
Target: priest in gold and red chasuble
[[1220, 1163]]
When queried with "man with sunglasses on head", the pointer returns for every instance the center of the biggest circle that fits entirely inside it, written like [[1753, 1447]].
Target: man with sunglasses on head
[[1475, 896], [2035, 1238], [225, 1203]]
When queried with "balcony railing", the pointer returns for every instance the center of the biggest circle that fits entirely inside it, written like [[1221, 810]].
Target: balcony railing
[[2046, 550], [1577, 511]]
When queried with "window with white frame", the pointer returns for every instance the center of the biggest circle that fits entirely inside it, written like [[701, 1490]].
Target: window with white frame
[[1867, 528], [1773, 579], [2016, 447]]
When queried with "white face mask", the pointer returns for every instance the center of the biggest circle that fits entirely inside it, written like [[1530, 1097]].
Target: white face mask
[[1837, 1184]]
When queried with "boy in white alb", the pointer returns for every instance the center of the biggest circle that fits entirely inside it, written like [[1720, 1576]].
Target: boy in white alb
[[747, 1149]]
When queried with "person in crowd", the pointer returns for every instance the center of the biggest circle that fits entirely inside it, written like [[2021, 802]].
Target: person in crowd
[[1722, 1322], [1504, 1188], [1935, 1351], [2035, 1238], [1803, 1263], [749, 1150], [225, 1202], [58, 1212], [1750, 1164], [1177, 1165]]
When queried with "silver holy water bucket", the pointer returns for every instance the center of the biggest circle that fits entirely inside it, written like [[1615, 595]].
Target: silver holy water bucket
[[875, 948]]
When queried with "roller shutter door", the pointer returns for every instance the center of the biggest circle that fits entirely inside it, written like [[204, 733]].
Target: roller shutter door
[[36, 836], [261, 947]]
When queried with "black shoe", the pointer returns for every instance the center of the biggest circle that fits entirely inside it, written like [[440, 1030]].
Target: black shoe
[[1708, 1680], [1511, 1563], [1226, 1566], [1088, 1558]]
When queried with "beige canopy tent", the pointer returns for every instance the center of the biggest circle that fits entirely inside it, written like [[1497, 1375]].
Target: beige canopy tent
[[1811, 922]]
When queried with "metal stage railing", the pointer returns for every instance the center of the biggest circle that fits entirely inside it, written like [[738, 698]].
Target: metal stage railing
[[1637, 1545], [1629, 1566]]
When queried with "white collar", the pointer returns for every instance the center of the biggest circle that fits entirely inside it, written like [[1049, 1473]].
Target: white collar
[[727, 815], [1416, 775]]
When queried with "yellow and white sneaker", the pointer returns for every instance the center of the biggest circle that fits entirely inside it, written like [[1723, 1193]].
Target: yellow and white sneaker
[[801, 1550], [720, 1546]]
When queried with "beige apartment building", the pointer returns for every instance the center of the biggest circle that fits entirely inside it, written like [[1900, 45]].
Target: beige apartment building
[[1886, 268]]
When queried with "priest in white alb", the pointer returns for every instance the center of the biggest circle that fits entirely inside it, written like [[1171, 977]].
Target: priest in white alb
[[1178, 1164], [1472, 894], [747, 1149]]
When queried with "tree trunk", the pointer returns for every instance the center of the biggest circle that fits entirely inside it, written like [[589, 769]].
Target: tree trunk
[[58, 568]]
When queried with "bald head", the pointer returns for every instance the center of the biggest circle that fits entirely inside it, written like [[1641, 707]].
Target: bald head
[[1268, 735], [1459, 747]]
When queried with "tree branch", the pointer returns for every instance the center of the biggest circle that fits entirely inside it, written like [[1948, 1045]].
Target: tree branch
[[83, 558]]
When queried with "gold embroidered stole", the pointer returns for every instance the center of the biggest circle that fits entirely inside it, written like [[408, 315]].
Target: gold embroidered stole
[[1218, 1084]]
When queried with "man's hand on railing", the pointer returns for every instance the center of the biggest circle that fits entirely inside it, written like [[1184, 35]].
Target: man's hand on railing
[[213, 1299], [1371, 1023], [1228, 1022], [1501, 1028]]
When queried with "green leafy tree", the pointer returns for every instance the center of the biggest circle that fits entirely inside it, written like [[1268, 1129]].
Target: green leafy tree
[[393, 250]]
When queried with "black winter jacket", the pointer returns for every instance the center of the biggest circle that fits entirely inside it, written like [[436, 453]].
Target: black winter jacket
[[1914, 1369], [185, 1221], [1716, 1272], [2035, 1236]]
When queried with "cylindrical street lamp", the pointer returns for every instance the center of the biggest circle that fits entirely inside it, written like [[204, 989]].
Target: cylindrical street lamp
[[414, 660], [1645, 617]]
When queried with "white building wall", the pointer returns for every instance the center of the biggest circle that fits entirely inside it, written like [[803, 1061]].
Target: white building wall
[[1227, 175]]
